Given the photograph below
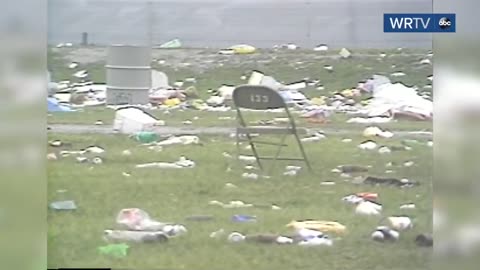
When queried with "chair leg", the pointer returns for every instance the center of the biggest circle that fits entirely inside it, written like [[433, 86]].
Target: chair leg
[[302, 150], [255, 153], [252, 145], [282, 141]]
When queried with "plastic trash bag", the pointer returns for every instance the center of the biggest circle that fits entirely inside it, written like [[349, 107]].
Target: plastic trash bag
[[375, 82], [396, 99], [138, 220]]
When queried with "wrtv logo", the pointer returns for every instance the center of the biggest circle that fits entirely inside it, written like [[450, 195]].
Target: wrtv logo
[[419, 23]]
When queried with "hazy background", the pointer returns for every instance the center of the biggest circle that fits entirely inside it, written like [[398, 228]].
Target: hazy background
[[220, 23]]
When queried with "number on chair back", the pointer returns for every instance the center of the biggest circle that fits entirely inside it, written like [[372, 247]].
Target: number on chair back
[[258, 98]]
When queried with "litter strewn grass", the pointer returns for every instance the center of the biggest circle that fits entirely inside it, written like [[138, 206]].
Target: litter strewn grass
[[100, 191], [89, 116], [212, 70]]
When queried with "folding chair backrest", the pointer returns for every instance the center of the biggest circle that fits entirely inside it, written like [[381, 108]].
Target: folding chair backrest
[[257, 97]]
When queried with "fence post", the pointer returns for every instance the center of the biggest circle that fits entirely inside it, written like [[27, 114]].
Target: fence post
[[309, 25], [84, 39]]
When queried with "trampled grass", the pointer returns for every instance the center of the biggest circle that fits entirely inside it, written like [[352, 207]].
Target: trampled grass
[[100, 191]]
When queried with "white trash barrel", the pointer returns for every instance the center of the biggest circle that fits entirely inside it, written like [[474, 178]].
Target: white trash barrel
[[128, 74]]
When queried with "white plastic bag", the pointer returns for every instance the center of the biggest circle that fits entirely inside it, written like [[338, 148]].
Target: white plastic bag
[[138, 220]]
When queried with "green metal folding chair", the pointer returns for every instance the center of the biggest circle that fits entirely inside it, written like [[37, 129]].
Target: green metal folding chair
[[257, 97]]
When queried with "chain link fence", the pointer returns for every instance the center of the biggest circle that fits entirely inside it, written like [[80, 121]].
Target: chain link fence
[[221, 23]]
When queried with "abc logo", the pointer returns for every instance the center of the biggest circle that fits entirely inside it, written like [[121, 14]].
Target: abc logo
[[445, 23]]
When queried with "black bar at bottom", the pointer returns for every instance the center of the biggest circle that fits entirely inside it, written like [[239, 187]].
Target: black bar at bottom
[[81, 269]]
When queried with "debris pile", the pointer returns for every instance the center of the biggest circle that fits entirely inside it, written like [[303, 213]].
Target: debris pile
[[395, 100], [389, 101]]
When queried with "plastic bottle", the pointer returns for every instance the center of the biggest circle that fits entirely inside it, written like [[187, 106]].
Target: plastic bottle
[[146, 136]]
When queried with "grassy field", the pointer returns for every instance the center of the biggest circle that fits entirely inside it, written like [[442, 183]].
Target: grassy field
[[171, 195], [100, 191]]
